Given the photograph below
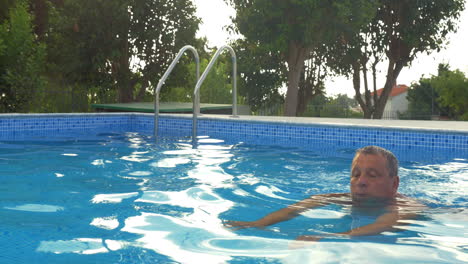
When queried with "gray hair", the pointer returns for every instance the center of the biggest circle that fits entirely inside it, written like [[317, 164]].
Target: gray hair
[[392, 162]]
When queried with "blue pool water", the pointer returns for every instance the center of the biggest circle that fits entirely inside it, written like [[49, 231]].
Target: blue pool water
[[119, 197]]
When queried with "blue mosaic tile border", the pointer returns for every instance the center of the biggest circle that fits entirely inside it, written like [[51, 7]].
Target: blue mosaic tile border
[[168, 125], [235, 130], [337, 134], [302, 135], [16, 125]]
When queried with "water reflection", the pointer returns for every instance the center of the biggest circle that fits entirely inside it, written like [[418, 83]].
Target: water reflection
[[40, 208], [84, 246], [206, 205], [171, 201], [113, 197], [173, 237], [108, 223]]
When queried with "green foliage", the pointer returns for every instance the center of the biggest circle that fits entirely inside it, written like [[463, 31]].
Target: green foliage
[[296, 30], [452, 87], [400, 30], [261, 73], [339, 106], [121, 46], [422, 101], [275, 23], [445, 95], [22, 61], [4, 11], [344, 100], [216, 88]]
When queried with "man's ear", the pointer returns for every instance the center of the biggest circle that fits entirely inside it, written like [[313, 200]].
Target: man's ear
[[396, 183]]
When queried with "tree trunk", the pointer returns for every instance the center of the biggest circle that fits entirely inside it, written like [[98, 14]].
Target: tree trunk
[[310, 85], [304, 95], [296, 58], [393, 71], [125, 87], [40, 11], [142, 92], [306, 90], [366, 105]]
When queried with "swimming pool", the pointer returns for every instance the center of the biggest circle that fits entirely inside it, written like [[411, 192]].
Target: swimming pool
[[99, 189]]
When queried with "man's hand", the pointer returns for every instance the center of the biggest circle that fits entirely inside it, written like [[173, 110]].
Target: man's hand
[[237, 225], [303, 241], [308, 238]]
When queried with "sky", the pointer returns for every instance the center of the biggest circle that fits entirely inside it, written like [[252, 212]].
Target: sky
[[215, 15]]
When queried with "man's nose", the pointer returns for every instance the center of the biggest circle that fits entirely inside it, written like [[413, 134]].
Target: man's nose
[[362, 181]]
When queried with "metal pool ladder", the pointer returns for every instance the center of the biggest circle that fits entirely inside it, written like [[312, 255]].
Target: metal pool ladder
[[163, 79], [196, 93]]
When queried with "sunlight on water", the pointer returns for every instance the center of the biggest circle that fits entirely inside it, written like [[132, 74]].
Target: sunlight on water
[[141, 173], [136, 156], [270, 192], [105, 222], [42, 208], [170, 162], [84, 246], [332, 252], [323, 214], [206, 205], [112, 198], [100, 162]]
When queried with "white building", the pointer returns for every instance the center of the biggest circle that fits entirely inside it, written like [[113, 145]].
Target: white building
[[396, 103]]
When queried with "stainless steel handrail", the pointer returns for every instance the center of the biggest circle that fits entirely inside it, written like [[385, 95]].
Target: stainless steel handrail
[[163, 79], [196, 93]]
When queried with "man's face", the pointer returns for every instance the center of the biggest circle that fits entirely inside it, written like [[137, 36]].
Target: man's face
[[370, 178]]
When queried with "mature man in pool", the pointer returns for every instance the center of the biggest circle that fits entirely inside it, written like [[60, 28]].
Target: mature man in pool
[[373, 184]]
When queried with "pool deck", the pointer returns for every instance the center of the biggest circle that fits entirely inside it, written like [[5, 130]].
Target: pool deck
[[453, 126], [169, 107]]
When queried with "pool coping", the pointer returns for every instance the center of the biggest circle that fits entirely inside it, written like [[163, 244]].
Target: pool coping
[[413, 125], [419, 125]]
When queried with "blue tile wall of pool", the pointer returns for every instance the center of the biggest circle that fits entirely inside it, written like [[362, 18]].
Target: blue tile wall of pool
[[299, 134], [251, 132], [12, 126]]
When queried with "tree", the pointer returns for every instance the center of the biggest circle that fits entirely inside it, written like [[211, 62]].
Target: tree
[[445, 94], [452, 87], [338, 106], [312, 80], [294, 28], [5, 10], [215, 88], [422, 103], [40, 11], [128, 44], [400, 30], [22, 61], [262, 74]]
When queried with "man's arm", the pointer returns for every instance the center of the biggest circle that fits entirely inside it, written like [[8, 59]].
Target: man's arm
[[286, 213], [386, 222]]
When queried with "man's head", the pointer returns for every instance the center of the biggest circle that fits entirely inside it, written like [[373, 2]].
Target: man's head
[[374, 174]]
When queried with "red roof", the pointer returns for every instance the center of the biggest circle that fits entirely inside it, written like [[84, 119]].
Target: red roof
[[396, 90]]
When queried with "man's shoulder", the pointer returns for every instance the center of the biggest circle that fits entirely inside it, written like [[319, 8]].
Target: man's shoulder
[[332, 195], [407, 201], [336, 198]]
